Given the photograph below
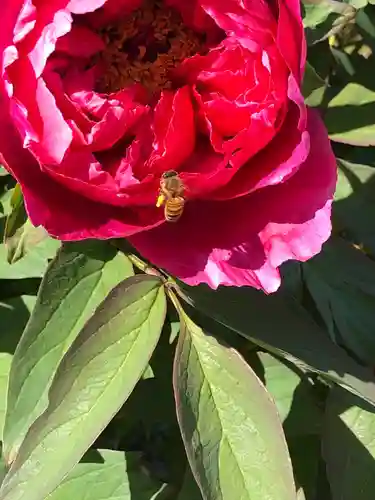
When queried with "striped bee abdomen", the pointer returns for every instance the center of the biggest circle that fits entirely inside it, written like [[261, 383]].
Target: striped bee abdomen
[[173, 208]]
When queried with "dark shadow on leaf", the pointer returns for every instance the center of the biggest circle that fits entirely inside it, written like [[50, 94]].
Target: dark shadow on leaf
[[92, 456], [13, 318], [305, 414], [10, 288], [302, 428], [355, 215], [350, 466], [340, 119]]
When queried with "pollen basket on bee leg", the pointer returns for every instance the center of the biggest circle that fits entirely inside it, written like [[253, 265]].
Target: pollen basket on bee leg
[[160, 201]]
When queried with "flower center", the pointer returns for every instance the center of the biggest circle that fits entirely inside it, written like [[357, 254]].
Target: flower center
[[145, 46]]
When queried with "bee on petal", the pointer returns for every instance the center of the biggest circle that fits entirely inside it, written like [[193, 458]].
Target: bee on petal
[[171, 195]]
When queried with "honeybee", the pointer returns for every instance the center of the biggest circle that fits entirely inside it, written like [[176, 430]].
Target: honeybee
[[171, 195]]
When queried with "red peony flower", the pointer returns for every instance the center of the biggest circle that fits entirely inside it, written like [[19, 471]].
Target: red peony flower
[[99, 99]]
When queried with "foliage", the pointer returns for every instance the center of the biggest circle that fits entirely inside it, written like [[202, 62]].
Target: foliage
[[118, 382]]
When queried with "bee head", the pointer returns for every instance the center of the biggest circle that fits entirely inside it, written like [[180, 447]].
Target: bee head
[[168, 174]]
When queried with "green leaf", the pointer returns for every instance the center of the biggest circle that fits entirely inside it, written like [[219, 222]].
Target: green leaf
[[5, 206], [316, 13], [76, 282], [314, 86], [300, 411], [106, 475], [354, 207], [280, 325], [33, 265], [365, 21], [3, 172], [293, 394], [291, 280], [18, 216], [189, 489], [23, 240], [306, 459], [349, 447], [232, 434], [349, 117], [94, 379], [175, 329], [352, 177], [14, 313], [341, 281], [152, 428], [323, 18], [5, 361]]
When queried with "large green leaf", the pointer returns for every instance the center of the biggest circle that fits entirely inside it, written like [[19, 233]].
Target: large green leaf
[[232, 433], [95, 377], [341, 281], [106, 475], [280, 325], [350, 116], [349, 447], [77, 280]]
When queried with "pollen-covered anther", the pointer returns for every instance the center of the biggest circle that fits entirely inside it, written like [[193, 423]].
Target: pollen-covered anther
[[145, 46]]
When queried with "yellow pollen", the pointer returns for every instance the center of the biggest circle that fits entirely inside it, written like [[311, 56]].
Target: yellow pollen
[[160, 201], [145, 46], [332, 41]]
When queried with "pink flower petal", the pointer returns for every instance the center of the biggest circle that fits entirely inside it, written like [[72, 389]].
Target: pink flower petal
[[45, 43], [279, 159], [250, 21], [83, 6], [243, 241], [174, 131], [26, 21], [63, 213], [38, 119]]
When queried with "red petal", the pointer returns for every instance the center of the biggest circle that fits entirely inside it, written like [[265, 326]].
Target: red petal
[[80, 42], [250, 21], [194, 16], [174, 131], [63, 213], [290, 36], [243, 241], [111, 11]]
